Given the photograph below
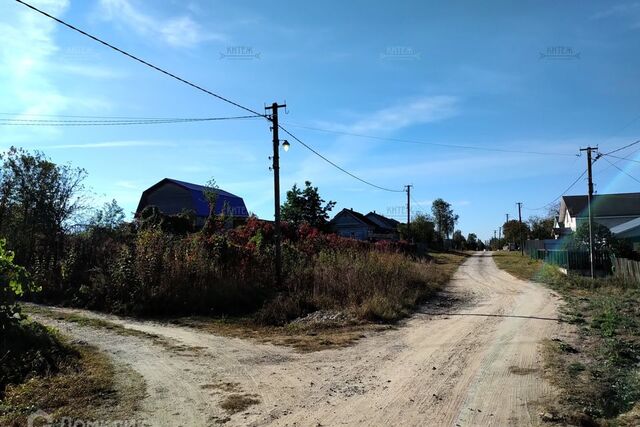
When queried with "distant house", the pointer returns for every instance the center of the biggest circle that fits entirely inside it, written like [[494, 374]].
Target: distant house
[[387, 227], [618, 212], [353, 224], [173, 197]]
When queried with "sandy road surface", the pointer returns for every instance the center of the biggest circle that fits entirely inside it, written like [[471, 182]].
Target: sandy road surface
[[469, 363]]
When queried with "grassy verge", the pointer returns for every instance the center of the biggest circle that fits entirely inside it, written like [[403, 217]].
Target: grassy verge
[[42, 371], [354, 322], [369, 316], [597, 368], [96, 323], [523, 267]]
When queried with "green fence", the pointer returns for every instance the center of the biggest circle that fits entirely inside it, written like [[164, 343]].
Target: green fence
[[573, 260]]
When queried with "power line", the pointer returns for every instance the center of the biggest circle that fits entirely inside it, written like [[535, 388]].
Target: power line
[[438, 144], [200, 88], [622, 170], [622, 158], [41, 122], [71, 116], [562, 194], [622, 148], [142, 61], [335, 165]]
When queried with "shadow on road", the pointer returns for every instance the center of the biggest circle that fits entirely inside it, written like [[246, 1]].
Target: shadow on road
[[492, 315]]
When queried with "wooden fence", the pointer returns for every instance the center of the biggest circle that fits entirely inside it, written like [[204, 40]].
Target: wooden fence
[[627, 269]]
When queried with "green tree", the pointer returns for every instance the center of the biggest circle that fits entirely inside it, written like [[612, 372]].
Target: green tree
[[541, 228], [13, 283], [306, 205], [110, 217], [472, 241], [603, 240], [512, 231], [445, 219], [459, 242], [39, 202], [422, 229]]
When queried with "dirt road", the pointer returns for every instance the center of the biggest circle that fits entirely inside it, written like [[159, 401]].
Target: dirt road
[[470, 359]]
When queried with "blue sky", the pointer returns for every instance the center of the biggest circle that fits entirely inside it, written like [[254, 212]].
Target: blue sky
[[453, 73]]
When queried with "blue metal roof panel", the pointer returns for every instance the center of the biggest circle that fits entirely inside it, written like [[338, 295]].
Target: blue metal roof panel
[[201, 204]]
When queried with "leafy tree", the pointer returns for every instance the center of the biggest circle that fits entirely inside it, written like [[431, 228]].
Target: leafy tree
[[444, 217], [603, 240], [459, 242], [422, 229], [472, 241], [306, 205], [513, 231], [13, 283], [110, 217], [211, 194], [39, 202], [541, 228]]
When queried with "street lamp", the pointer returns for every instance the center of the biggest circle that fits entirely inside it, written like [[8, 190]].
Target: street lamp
[[286, 145]]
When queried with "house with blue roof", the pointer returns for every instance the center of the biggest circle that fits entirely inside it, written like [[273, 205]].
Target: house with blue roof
[[172, 197]]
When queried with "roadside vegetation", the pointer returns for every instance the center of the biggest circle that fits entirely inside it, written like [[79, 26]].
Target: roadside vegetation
[[163, 265], [598, 368], [39, 370]]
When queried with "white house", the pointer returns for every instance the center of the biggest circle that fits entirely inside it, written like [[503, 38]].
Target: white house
[[620, 213]]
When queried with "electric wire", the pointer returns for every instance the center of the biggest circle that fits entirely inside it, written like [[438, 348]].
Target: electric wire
[[200, 88], [622, 170], [142, 61], [622, 158], [419, 142], [562, 194], [46, 122], [622, 148], [335, 165]]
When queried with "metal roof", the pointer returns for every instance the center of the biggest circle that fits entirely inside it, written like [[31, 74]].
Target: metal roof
[[621, 204], [200, 203]]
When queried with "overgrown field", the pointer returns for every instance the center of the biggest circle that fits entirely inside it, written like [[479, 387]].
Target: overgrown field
[[152, 271], [598, 370], [41, 371]]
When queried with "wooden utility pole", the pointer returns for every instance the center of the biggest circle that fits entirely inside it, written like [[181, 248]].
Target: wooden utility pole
[[276, 187], [589, 198], [408, 187], [520, 226], [507, 215]]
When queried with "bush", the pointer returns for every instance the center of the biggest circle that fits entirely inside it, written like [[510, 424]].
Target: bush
[[13, 283], [29, 349], [160, 270]]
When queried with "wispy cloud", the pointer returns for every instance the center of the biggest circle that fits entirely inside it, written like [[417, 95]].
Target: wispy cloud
[[427, 109], [27, 46], [179, 31], [85, 70], [107, 144], [627, 11]]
